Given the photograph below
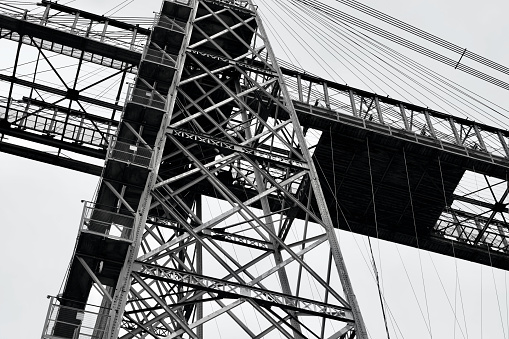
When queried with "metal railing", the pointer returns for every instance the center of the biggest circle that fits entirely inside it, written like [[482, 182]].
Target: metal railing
[[473, 230], [79, 26], [77, 129], [148, 98], [107, 223], [139, 155], [389, 116], [160, 57], [74, 323], [171, 24], [241, 4], [182, 2]]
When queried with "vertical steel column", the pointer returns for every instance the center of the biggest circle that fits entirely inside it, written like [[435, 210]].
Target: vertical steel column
[[379, 110], [430, 125], [199, 269], [504, 144], [479, 138], [45, 16], [326, 95], [105, 27], [299, 88], [133, 40], [352, 103], [76, 17], [404, 117], [455, 132]]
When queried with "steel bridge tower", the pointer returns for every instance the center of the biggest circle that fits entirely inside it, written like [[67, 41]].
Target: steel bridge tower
[[209, 114], [215, 206]]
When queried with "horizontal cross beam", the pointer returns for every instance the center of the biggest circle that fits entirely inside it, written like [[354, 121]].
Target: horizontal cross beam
[[236, 290]]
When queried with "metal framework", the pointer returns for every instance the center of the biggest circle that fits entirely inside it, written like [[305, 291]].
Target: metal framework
[[209, 106], [210, 209]]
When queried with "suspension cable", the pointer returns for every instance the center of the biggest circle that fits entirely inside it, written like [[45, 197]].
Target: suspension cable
[[331, 12], [417, 241], [424, 35], [369, 241]]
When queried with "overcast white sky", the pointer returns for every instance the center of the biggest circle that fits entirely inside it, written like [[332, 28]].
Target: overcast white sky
[[40, 204]]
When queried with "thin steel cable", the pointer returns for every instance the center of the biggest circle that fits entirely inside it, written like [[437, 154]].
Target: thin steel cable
[[424, 35], [417, 241], [303, 20], [458, 285], [378, 287], [306, 46], [278, 37], [496, 292], [333, 41], [430, 77], [377, 237], [447, 297], [454, 86], [123, 4], [371, 56], [44, 71], [27, 63], [456, 280], [340, 210], [332, 12], [413, 289], [365, 37], [423, 73]]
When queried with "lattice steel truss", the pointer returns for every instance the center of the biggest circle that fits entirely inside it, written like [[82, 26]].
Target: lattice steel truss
[[209, 122]]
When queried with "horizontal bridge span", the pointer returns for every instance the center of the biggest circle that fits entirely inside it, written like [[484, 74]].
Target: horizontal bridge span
[[336, 102], [100, 129], [386, 114]]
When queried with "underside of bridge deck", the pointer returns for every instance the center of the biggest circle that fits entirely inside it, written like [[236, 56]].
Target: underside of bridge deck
[[391, 189]]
